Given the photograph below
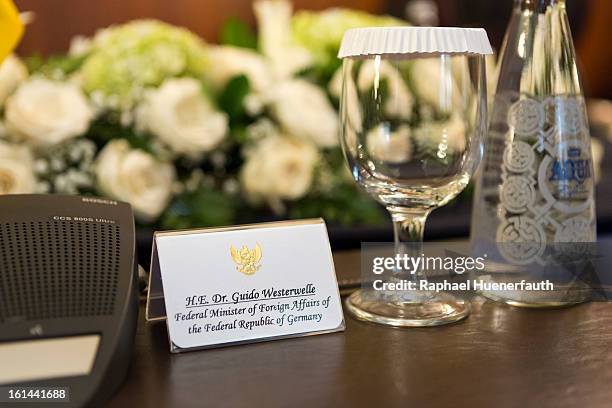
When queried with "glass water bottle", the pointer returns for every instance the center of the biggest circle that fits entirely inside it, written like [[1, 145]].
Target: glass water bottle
[[534, 209]]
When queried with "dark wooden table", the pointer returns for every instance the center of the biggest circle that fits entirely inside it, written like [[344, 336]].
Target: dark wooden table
[[499, 357]]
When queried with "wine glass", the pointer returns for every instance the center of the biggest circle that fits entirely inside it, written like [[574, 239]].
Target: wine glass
[[413, 123]]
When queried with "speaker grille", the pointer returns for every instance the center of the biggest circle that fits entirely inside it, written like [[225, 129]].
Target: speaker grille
[[57, 269]]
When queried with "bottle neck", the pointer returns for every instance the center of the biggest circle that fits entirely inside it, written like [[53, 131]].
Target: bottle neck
[[537, 5]]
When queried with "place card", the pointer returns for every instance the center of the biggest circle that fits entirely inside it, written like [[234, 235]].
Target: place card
[[243, 284]]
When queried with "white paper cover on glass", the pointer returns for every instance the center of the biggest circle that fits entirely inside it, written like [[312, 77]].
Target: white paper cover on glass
[[414, 41]]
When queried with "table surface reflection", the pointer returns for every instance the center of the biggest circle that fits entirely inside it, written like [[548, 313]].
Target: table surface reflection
[[500, 356]]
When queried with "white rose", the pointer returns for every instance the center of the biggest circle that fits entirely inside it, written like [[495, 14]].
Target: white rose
[[181, 116], [442, 138], [279, 168], [230, 62], [438, 89], [392, 147], [492, 71], [80, 45], [254, 104], [399, 100], [303, 110], [275, 39], [261, 129], [12, 73], [352, 103], [44, 112], [135, 176], [335, 83], [16, 169]]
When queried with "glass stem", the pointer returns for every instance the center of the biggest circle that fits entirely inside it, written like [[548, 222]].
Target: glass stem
[[408, 228], [408, 225]]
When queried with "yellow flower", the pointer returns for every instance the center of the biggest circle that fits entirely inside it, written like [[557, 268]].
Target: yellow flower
[[11, 28]]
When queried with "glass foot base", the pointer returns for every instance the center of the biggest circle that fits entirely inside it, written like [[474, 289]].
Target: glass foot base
[[436, 310], [576, 299], [564, 294]]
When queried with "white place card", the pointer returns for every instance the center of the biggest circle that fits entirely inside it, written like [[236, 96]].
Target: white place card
[[242, 284]]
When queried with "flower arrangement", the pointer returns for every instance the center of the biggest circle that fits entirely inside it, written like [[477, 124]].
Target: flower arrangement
[[195, 134]]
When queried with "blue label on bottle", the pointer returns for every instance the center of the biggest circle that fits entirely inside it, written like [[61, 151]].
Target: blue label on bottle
[[574, 168]]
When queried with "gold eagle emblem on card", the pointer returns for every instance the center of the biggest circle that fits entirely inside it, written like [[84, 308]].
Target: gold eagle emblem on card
[[247, 260]]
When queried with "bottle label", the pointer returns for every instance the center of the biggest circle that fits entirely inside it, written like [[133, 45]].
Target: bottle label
[[547, 189]]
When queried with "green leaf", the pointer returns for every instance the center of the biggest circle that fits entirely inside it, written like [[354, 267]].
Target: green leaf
[[105, 129], [239, 134], [231, 99], [322, 74], [346, 205], [237, 33], [34, 62], [202, 208], [67, 63], [64, 63]]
